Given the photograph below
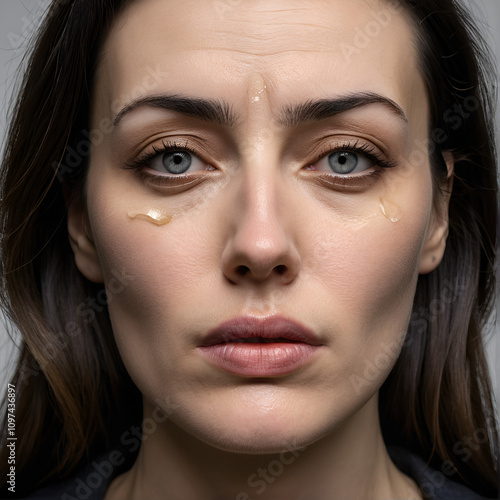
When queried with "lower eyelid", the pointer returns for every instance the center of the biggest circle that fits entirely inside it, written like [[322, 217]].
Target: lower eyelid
[[173, 184], [356, 182]]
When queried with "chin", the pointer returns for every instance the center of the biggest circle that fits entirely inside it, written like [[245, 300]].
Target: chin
[[261, 443], [255, 436]]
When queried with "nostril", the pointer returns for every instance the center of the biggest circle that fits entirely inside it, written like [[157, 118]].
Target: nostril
[[281, 269], [242, 270]]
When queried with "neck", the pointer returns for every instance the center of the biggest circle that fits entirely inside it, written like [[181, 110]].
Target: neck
[[351, 462]]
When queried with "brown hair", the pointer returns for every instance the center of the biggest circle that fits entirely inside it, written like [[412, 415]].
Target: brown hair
[[445, 397], [74, 396]]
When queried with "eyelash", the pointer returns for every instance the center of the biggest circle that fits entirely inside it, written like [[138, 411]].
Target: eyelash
[[145, 159], [354, 147], [364, 149]]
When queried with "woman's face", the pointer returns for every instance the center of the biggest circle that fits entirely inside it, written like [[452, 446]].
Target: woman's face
[[277, 212]]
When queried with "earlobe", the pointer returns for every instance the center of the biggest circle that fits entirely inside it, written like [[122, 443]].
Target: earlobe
[[435, 244], [82, 243]]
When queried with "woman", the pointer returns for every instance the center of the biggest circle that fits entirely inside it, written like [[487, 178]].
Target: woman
[[264, 228]]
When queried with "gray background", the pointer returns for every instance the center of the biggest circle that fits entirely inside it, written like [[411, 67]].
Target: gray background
[[19, 19]]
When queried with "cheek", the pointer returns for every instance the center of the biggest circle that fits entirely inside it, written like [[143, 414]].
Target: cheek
[[367, 281], [381, 263], [169, 270], [372, 263], [370, 273], [164, 264], [357, 278], [365, 271]]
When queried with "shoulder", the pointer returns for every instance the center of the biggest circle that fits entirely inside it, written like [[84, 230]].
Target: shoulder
[[89, 482], [434, 484]]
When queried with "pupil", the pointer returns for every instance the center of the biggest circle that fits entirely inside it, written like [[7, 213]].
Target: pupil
[[177, 163], [343, 162]]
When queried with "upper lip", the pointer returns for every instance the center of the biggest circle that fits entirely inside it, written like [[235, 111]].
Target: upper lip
[[249, 327]]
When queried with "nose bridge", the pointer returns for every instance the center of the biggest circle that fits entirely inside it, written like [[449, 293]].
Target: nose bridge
[[259, 158], [261, 242], [262, 201]]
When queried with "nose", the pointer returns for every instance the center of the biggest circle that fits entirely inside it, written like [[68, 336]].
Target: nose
[[260, 242]]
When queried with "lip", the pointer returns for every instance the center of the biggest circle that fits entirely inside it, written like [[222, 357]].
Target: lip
[[294, 346], [270, 327]]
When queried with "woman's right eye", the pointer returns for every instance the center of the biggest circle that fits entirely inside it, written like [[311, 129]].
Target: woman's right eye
[[176, 162]]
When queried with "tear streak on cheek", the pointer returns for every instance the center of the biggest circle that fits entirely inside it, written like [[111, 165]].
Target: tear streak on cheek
[[156, 216], [160, 217]]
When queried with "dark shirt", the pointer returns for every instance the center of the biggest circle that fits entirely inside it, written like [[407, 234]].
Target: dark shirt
[[91, 483]]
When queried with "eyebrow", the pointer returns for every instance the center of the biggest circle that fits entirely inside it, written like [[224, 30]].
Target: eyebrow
[[220, 112], [291, 116], [209, 110]]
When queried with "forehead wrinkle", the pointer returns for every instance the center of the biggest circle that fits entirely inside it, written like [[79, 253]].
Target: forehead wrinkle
[[258, 54], [309, 38], [252, 62]]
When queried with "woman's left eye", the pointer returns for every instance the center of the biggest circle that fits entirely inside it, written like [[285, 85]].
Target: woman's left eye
[[343, 163], [176, 162]]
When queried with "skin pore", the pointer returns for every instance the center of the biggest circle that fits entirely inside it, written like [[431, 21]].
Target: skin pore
[[260, 225]]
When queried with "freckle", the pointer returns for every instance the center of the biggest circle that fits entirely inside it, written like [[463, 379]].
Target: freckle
[[433, 259], [153, 215]]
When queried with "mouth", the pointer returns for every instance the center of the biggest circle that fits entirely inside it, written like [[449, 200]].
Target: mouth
[[254, 330], [255, 347], [261, 340]]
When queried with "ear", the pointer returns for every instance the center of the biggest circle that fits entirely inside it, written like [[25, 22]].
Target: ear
[[435, 244], [82, 243]]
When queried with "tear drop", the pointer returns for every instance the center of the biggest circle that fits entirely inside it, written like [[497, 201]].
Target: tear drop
[[390, 211], [153, 215]]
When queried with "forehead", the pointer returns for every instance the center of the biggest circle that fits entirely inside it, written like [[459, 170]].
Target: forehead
[[229, 49]]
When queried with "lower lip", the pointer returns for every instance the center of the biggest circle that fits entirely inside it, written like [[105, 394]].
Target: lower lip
[[260, 359]]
